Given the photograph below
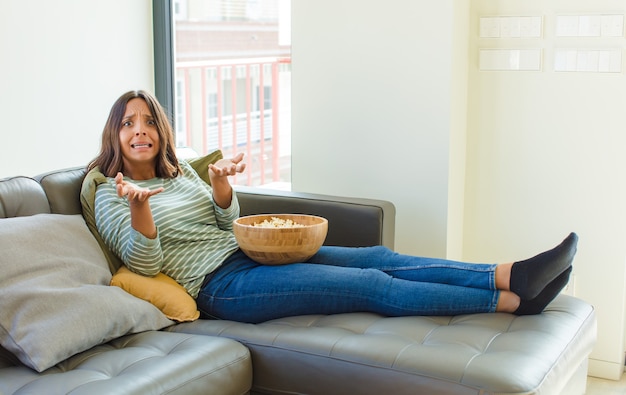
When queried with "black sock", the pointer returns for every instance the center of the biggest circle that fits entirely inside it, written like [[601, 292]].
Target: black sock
[[539, 303], [531, 276]]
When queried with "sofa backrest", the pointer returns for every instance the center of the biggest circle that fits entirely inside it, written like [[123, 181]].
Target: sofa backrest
[[55, 192], [352, 221]]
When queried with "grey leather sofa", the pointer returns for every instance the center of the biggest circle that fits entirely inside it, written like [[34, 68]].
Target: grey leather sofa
[[358, 353]]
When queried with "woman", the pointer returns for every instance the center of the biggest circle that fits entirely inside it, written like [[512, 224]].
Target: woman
[[157, 215]]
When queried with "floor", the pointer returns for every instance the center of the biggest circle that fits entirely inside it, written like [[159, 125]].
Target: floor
[[597, 386]]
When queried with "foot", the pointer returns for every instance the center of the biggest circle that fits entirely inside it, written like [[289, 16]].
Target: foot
[[531, 276], [539, 303]]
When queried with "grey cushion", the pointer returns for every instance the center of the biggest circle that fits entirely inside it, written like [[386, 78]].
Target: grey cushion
[[364, 353], [142, 364], [55, 300]]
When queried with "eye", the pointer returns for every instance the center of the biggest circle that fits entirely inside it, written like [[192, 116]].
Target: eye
[[151, 122], [127, 123]]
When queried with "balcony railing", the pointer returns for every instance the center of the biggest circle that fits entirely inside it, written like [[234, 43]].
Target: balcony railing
[[235, 106]]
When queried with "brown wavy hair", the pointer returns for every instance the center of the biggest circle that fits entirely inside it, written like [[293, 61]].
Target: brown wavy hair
[[109, 160]]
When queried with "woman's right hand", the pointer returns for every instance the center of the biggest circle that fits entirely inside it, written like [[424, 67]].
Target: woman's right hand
[[133, 192], [140, 213]]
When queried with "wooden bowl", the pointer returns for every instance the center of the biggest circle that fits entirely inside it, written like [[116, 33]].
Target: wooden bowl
[[280, 245]]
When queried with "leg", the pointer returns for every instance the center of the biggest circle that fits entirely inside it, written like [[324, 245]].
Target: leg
[[534, 282], [413, 268], [527, 278], [245, 291], [503, 276], [508, 302]]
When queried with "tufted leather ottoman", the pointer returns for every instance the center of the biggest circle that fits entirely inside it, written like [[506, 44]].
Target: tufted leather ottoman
[[364, 353], [145, 363]]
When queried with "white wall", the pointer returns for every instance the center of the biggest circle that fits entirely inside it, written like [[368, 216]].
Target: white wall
[[546, 156], [372, 108], [388, 103], [64, 63]]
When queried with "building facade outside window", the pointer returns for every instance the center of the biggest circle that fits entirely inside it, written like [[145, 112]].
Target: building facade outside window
[[232, 66]]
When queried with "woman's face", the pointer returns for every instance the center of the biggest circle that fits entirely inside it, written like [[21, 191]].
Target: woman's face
[[139, 137]]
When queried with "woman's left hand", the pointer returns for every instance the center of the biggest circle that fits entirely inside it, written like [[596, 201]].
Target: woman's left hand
[[227, 167], [218, 173]]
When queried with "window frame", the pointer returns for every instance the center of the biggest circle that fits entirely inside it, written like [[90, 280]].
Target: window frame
[[164, 75]]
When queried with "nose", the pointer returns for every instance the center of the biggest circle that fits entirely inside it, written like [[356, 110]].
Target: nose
[[139, 130]]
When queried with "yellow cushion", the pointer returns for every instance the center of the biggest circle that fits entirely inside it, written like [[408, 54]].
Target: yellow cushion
[[161, 290]]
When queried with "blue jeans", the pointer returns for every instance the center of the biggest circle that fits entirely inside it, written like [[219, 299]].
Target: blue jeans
[[345, 279]]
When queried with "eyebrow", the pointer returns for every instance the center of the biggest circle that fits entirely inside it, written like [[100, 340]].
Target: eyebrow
[[134, 115]]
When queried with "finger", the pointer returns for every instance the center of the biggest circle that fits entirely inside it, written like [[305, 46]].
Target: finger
[[238, 158], [130, 194], [217, 170], [145, 195], [120, 190], [135, 194], [156, 191]]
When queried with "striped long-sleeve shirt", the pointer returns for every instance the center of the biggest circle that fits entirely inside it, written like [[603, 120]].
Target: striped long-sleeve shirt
[[194, 235]]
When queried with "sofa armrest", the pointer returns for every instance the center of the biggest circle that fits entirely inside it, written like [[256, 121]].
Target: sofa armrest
[[62, 188], [21, 196], [352, 222]]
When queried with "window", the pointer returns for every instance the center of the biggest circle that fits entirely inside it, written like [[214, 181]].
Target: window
[[180, 9], [180, 118], [231, 78]]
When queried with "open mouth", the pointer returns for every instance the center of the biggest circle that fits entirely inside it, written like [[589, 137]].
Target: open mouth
[[141, 145]]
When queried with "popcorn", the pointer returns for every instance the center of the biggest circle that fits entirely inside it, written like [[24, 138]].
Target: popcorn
[[278, 223]]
